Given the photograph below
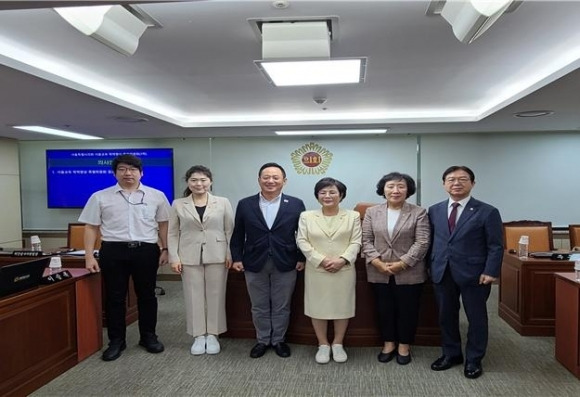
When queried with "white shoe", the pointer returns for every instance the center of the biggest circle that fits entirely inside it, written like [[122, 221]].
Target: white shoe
[[198, 347], [338, 354], [212, 346], [323, 354]]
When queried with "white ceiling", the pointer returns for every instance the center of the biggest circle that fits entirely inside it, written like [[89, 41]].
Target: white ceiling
[[195, 76]]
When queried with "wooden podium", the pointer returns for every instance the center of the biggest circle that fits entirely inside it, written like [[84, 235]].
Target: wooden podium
[[568, 322]]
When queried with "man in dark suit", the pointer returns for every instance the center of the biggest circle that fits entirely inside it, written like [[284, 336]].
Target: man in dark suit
[[263, 244], [466, 257]]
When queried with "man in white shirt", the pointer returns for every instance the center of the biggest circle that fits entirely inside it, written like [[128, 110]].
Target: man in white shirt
[[133, 221]]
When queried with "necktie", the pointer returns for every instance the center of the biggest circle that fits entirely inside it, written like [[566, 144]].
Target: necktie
[[453, 217]]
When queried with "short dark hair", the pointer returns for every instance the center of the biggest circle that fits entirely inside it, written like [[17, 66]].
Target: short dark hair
[[326, 182], [268, 165], [454, 168], [396, 176], [128, 159], [199, 169]]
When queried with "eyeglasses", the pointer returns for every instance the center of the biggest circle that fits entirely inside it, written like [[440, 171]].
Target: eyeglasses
[[122, 170], [132, 203], [461, 180]]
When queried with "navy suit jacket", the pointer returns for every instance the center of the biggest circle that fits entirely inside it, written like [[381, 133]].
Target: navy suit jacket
[[253, 243], [475, 247]]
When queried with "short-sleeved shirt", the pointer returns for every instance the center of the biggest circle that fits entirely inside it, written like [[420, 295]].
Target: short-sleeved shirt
[[127, 217]]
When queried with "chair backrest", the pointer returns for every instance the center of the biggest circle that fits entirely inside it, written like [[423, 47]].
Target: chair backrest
[[540, 234], [361, 208], [574, 233], [76, 233]]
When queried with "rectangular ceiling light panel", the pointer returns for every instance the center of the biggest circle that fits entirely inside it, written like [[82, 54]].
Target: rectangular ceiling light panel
[[314, 72]]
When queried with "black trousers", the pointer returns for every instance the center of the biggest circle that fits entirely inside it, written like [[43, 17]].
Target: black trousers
[[398, 310], [118, 262], [474, 298]]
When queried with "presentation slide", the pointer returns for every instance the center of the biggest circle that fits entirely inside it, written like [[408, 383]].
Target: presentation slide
[[72, 175]]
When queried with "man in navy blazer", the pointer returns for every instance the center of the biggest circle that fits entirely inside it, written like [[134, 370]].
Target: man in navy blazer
[[466, 256], [263, 244]]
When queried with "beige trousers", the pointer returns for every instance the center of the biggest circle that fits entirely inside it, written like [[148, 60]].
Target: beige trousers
[[204, 289]]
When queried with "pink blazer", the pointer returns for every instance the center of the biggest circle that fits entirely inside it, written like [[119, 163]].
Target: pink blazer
[[409, 242]]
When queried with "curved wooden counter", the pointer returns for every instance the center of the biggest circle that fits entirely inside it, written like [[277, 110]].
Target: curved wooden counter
[[362, 330]]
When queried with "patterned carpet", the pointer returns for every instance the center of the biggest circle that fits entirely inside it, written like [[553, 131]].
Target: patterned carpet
[[514, 366]]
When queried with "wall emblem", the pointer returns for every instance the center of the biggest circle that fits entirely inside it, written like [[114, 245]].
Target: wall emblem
[[311, 159]]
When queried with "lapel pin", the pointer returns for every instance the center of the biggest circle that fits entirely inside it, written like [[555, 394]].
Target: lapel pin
[[285, 200]]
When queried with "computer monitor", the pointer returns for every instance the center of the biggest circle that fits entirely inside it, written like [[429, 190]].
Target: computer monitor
[[20, 276]]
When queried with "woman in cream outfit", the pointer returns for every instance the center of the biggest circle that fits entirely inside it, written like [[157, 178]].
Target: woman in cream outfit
[[395, 241], [200, 227], [330, 238]]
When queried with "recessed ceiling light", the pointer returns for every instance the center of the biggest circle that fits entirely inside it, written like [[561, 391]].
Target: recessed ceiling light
[[53, 131], [534, 113], [333, 132], [284, 73]]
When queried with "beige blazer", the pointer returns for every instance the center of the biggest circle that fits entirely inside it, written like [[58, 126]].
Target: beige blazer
[[193, 242], [409, 242], [317, 241]]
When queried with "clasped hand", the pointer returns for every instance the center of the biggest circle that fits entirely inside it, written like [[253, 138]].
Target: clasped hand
[[391, 268], [333, 265]]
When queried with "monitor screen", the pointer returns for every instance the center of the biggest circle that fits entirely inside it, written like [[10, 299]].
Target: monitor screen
[[72, 175]]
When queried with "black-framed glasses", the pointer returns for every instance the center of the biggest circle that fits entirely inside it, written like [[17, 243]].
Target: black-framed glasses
[[132, 203]]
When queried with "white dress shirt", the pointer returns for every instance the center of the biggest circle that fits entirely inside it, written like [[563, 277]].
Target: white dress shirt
[[270, 209], [127, 217]]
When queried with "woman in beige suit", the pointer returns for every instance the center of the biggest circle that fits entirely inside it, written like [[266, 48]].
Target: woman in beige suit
[[330, 239], [200, 227], [395, 241]]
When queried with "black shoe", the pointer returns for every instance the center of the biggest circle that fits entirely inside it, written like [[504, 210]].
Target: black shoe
[[282, 349], [446, 362], [473, 370], [152, 345], [113, 352], [403, 360], [258, 350], [386, 357]]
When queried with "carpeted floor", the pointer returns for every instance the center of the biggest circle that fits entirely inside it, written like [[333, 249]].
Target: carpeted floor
[[514, 366]]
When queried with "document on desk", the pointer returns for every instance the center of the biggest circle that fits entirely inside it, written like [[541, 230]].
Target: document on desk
[[82, 253], [575, 257]]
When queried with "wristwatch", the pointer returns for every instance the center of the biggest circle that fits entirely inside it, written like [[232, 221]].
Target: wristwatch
[[164, 249]]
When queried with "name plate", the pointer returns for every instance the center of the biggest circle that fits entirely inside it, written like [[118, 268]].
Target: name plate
[[56, 277], [27, 254]]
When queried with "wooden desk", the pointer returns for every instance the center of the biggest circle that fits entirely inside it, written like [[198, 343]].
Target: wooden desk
[[527, 293], [76, 262], [568, 322], [362, 329], [47, 330]]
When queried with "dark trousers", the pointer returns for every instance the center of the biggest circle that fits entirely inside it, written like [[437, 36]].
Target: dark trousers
[[398, 310], [474, 298], [118, 262]]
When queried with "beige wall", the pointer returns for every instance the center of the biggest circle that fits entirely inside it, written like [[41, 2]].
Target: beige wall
[[11, 225]]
